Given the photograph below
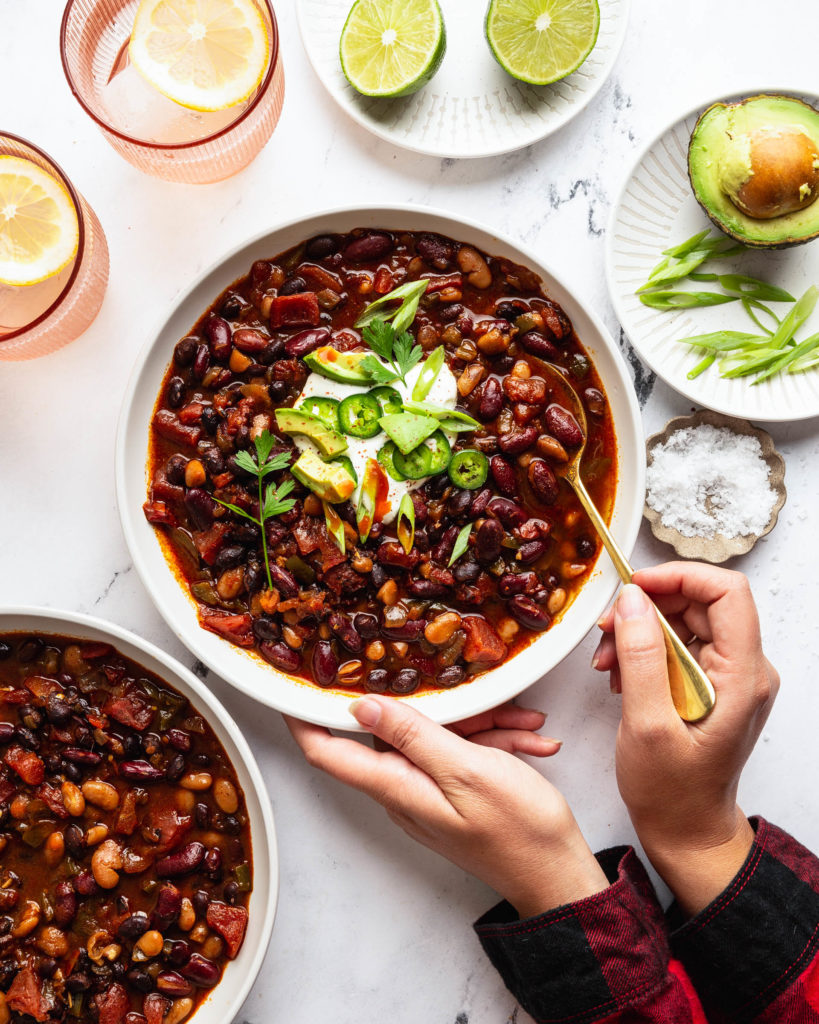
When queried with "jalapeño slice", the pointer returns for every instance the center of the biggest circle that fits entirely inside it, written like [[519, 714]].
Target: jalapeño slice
[[386, 456], [359, 414], [348, 465], [429, 458], [325, 408], [468, 469], [388, 398]]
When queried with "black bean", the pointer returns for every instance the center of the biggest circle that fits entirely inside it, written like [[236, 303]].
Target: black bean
[[366, 624], [200, 901], [586, 547], [321, 246], [77, 981], [175, 469], [213, 460], [510, 310], [175, 768], [230, 892], [447, 314], [26, 738], [140, 980], [209, 419], [229, 557], [377, 680], [231, 307], [293, 286], [451, 676], [201, 814], [176, 392], [184, 351], [30, 649], [466, 570], [405, 681], [134, 926], [459, 502]]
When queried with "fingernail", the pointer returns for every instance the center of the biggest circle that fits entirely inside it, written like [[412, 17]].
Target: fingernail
[[366, 712], [550, 739], [614, 685], [596, 656], [632, 602]]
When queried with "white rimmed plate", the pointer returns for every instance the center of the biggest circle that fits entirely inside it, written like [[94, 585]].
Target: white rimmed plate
[[226, 999], [240, 667], [472, 107], [657, 209]]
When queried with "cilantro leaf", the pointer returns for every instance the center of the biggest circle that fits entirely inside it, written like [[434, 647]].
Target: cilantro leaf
[[275, 502], [246, 461], [379, 336], [399, 350], [377, 371]]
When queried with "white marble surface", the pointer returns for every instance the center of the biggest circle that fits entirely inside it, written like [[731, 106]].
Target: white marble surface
[[370, 926]]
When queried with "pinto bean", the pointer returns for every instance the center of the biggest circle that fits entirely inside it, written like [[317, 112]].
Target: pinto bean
[[182, 861], [475, 267], [491, 401], [529, 614], [544, 483], [306, 341], [504, 476], [562, 425], [516, 442], [106, 864]]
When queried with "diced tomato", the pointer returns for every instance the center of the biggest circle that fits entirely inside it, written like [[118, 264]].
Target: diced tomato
[[172, 827], [53, 800], [131, 709], [191, 413], [230, 923], [10, 696], [299, 310], [154, 1007], [437, 284], [209, 542], [95, 651], [307, 532], [126, 815], [222, 480], [167, 425], [320, 277], [41, 687], [27, 995], [162, 490], [26, 763], [236, 628], [113, 1004], [483, 645]]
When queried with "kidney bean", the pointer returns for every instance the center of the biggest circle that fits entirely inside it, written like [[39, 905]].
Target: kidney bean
[[535, 529], [306, 341], [595, 401], [171, 983], [529, 614], [488, 541], [459, 502], [377, 680], [184, 351], [443, 549], [427, 590], [556, 321], [346, 632], [438, 252], [201, 507], [85, 885], [201, 363], [539, 345], [176, 392], [390, 552], [140, 771], [544, 483], [412, 629], [373, 246], [168, 906], [325, 663], [217, 332], [182, 861], [491, 400], [480, 502], [509, 512], [504, 476], [366, 624], [201, 971], [321, 246], [283, 581], [562, 425], [179, 740], [250, 341], [531, 551], [516, 442], [280, 655], [405, 681], [65, 903], [87, 758], [450, 676], [260, 273]]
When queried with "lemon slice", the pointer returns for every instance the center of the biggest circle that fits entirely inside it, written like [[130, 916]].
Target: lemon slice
[[39, 232], [202, 54], [542, 41], [392, 47]]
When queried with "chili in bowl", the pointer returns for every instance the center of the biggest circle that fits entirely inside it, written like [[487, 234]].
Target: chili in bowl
[[138, 855], [353, 465]]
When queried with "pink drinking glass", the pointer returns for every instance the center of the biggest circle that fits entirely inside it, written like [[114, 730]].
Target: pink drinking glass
[[93, 42], [60, 319]]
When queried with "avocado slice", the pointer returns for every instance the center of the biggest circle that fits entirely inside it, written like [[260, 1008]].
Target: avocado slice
[[754, 168], [341, 366], [329, 481], [296, 421]]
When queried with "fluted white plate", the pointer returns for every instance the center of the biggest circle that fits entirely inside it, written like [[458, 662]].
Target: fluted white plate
[[472, 107], [657, 209]]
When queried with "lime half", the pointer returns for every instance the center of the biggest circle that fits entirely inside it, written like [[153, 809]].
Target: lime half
[[541, 41], [392, 47]]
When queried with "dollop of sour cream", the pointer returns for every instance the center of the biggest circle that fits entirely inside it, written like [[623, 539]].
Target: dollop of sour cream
[[444, 392]]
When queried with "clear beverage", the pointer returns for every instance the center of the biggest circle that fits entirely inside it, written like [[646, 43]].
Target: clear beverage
[[41, 317], [154, 133]]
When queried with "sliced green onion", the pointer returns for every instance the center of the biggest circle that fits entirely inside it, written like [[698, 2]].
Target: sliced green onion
[[368, 498], [461, 544], [803, 349], [429, 374], [753, 288], [749, 305], [335, 527], [684, 248], [405, 526], [723, 341], [402, 315], [674, 299], [797, 315], [441, 412], [702, 365]]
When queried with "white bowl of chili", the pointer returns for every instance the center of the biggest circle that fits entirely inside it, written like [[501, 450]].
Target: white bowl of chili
[[244, 668], [100, 647]]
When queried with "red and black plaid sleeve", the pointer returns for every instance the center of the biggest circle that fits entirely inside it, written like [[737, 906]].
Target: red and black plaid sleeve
[[605, 959], [753, 954]]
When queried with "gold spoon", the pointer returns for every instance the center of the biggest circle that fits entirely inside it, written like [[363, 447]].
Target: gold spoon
[[691, 689]]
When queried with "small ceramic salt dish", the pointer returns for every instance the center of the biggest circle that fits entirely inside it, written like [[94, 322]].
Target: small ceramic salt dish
[[719, 547]]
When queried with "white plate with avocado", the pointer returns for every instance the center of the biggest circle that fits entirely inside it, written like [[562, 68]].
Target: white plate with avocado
[[471, 107], [657, 209]]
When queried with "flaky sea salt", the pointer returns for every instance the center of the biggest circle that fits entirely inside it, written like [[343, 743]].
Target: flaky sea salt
[[708, 480]]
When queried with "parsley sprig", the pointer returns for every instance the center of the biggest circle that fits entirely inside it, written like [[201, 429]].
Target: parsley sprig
[[399, 352], [273, 500]]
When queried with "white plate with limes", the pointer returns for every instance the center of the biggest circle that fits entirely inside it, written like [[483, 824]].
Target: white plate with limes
[[471, 107]]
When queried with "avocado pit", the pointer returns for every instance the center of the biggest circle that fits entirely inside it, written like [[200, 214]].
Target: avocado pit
[[770, 172]]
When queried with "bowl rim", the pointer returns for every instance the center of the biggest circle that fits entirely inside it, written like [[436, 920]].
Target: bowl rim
[[330, 707], [56, 621]]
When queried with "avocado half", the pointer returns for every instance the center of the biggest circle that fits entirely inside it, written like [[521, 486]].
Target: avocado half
[[754, 168]]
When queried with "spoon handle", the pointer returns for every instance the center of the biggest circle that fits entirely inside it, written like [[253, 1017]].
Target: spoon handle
[[691, 689]]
